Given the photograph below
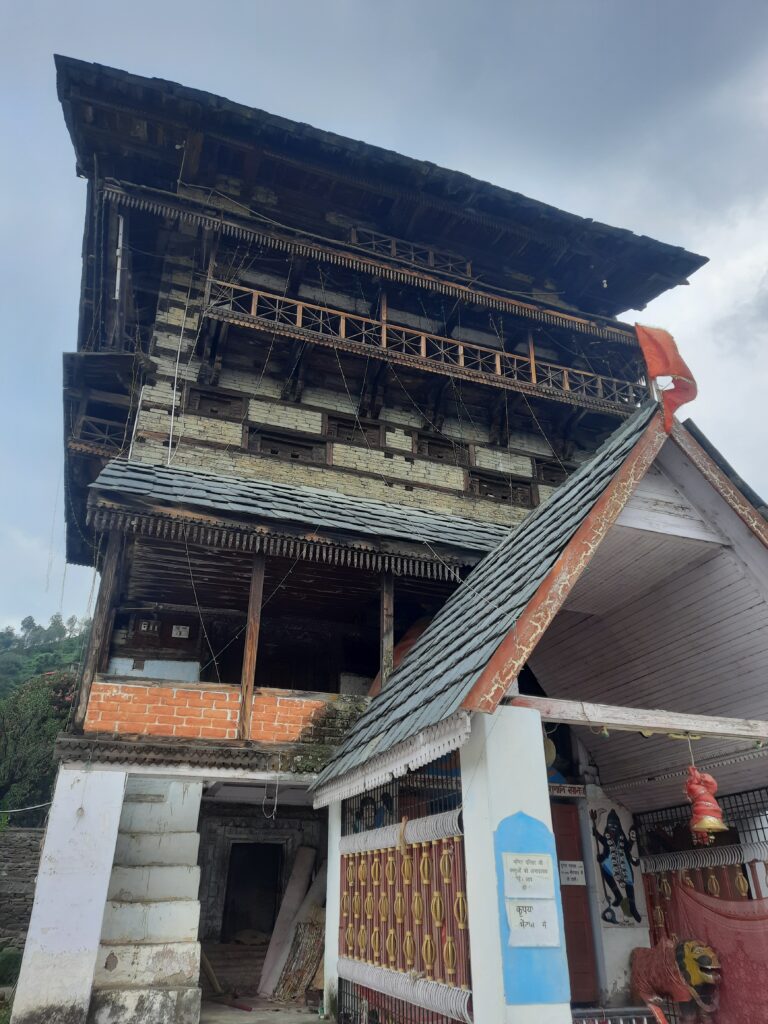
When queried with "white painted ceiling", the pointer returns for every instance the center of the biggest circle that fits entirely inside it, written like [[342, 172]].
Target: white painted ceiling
[[663, 620]]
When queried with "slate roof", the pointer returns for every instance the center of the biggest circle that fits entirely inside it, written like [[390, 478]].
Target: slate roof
[[438, 673], [303, 506]]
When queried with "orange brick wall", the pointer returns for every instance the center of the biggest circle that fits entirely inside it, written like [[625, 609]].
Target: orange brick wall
[[281, 716], [204, 712], [190, 712]]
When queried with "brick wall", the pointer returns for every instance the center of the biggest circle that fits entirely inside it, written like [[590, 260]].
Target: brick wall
[[211, 712], [19, 856], [200, 712]]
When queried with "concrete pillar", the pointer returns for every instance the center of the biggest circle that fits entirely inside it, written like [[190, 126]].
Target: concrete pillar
[[332, 907], [65, 928], [519, 965]]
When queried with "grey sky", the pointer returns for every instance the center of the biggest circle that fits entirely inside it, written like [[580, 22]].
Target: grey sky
[[649, 115]]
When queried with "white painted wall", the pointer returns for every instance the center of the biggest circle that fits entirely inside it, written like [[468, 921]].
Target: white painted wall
[[503, 772], [616, 940], [64, 931], [332, 905]]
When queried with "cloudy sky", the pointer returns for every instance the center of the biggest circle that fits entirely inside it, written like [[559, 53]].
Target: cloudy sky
[[649, 115]]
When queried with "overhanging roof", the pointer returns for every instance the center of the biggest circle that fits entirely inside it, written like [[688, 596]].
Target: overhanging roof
[[306, 507], [639, 268], [439, 676]]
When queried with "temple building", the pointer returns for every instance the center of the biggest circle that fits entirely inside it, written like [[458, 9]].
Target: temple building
[[399, 548]]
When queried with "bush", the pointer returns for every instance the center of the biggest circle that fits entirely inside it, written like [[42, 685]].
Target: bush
[[10, 965]]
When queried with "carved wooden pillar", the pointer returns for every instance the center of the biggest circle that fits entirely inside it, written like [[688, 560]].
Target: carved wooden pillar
[[387, 630], [252, 629]]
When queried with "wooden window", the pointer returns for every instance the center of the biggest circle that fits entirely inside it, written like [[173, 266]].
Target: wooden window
[[289, 447], [220, 405], [551, 473], [497, 487], [354, 431], [442, 449]]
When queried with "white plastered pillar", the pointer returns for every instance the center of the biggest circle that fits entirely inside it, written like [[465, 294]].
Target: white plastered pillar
[[70, 896], [507, 827], [332, 907]]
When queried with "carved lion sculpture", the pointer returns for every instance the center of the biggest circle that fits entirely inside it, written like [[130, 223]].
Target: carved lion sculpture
[[686, 973]]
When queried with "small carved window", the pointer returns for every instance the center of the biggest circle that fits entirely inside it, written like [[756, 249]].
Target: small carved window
[[551, 473], [221, 405], [288, 447], [442, 449], [354, 431], [497, 487]]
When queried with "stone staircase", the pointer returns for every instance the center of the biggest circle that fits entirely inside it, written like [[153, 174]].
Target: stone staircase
[[148, 966]]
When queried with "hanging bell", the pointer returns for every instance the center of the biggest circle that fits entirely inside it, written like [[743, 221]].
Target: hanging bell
[[706, 815]]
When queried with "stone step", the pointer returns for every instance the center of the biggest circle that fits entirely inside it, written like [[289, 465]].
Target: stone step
[[167, 964], [148, 1005], [150, 921], [142, 849], [178, 812], [158, 882]]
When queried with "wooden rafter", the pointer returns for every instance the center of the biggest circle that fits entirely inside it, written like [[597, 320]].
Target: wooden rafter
[[623, 719]]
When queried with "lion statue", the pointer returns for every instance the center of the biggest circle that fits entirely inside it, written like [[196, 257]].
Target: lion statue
[[685, 972]]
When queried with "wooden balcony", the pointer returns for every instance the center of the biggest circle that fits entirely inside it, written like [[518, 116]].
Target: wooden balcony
[[335, 328]]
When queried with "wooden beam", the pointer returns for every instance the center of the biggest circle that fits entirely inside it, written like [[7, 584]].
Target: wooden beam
[[387, 630], [621, 719], [98, 641], [251, 646]]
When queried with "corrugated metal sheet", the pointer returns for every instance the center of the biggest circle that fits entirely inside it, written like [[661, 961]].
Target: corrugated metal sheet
[[305, 506], [441, 669]]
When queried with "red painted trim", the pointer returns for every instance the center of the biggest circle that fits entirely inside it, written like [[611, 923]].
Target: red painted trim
[[715, 476], [517, 646]]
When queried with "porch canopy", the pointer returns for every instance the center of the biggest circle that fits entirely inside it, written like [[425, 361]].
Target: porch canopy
[[640, 584]]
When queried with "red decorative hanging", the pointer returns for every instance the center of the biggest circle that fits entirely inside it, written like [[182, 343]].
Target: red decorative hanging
[[706, 815]]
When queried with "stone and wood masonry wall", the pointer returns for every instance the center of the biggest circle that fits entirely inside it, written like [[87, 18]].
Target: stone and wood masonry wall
[[19, 857]]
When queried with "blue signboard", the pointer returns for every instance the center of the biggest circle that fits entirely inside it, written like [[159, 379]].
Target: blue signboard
[[530, 913]]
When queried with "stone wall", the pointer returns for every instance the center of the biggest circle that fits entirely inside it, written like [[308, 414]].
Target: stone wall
[[222, 825], [19, 856]]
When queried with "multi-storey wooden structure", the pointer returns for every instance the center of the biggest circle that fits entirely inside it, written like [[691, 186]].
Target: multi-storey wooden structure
[[315, 383]]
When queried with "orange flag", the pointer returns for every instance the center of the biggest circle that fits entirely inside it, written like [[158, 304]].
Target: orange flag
[[663, 360]]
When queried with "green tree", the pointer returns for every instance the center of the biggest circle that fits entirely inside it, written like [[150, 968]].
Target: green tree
[[72, 626], [30, 719], [7, 638], [56, 628]]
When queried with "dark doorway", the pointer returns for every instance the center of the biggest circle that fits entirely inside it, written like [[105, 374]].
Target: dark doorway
[[253, 888]]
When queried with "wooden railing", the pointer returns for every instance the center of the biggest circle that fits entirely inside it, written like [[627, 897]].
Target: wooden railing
[[329, 326], [105, 433], [424, 256]]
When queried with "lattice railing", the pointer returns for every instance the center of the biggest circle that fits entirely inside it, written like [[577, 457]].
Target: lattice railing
[[393, 248], [379, 337], [105, 433]]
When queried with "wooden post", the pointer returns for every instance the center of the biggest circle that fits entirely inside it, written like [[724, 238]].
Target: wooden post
[[532, 356], [383, 314], [251, 646], [387, 634], [102, 617]]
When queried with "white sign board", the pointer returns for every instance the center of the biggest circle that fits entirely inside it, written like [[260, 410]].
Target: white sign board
[[528, 876], [533, 923], [529, 897], [572, 872], [181, 632]]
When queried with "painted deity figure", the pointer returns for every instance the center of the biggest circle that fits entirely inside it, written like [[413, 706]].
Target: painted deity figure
[[617, 861]]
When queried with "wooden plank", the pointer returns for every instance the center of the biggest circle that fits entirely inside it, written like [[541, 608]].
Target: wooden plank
[[280, 943], [621, 719], [308, 911], [387, 627], [252, 629], [102, 617]]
